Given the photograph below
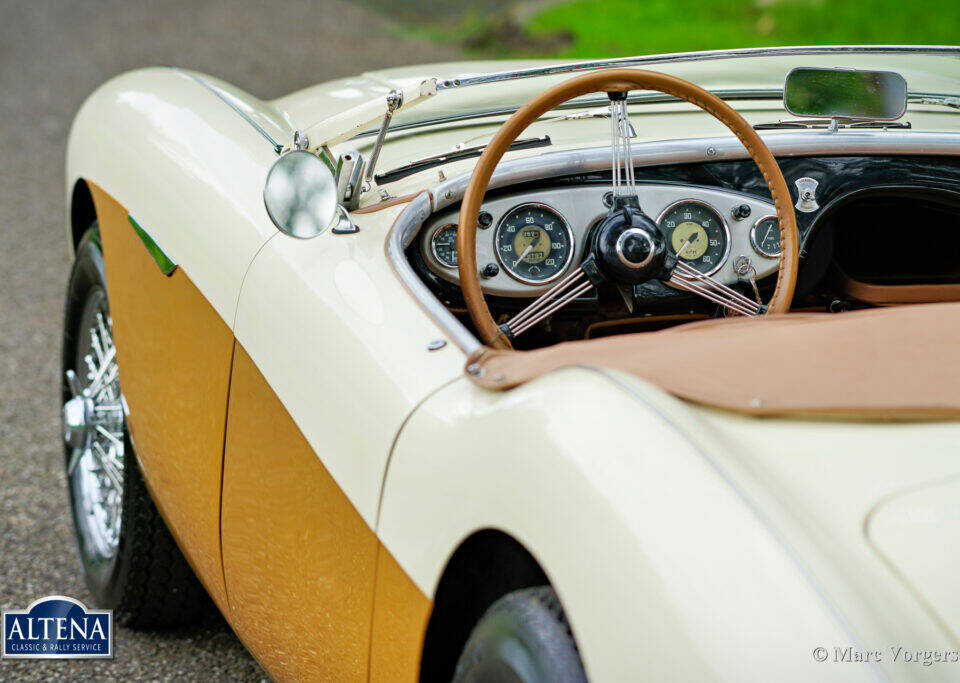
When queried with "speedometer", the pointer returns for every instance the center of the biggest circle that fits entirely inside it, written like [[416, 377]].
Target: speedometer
[[533, 243], [696, 231]]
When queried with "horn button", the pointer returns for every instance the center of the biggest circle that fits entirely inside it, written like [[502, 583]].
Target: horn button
[[629, 247]]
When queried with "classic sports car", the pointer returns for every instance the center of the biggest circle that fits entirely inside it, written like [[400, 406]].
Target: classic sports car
[[635, 368]]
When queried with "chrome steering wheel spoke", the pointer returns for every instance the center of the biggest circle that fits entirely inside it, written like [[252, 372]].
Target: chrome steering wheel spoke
[[573, 285], [690, 279], [624, 183]]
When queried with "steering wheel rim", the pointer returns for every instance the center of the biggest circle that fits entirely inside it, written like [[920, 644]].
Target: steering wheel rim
[[617, 80]]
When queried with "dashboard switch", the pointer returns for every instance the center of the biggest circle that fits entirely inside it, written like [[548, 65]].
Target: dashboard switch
[[490, 270], [740, 212], [484, 220]]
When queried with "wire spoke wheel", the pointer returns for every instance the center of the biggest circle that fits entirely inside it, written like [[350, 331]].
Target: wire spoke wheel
[[94, 429]]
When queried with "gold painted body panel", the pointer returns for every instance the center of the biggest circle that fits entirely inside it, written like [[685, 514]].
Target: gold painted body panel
[[400, 619], [174, 354], [300, 562]]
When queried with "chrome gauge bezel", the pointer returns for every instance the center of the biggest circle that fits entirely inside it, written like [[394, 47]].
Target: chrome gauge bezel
[[753, 236], [506, 267], [723, 222], [433, 246]]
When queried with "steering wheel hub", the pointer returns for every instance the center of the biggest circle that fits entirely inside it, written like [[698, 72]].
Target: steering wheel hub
[[629, 247]]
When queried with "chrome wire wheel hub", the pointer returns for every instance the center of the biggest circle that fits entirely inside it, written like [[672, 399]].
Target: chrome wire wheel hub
[[93, 430]]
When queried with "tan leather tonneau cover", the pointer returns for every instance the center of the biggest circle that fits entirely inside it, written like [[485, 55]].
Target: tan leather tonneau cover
[[898, 363]]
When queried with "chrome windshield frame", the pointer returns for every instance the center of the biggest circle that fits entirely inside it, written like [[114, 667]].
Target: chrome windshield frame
[[704, 55]]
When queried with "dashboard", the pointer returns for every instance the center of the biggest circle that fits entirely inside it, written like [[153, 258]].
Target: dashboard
[[528, 240]]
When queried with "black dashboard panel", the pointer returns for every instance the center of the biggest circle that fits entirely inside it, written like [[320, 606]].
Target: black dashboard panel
[[840, 179]]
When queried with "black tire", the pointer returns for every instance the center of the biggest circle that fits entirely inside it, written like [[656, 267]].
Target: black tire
[[146, 581], [523, 636]]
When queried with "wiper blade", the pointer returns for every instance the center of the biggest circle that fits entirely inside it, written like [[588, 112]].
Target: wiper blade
[[456, 155], [825, 123]]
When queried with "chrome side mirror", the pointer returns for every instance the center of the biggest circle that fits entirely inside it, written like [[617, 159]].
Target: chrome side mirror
[[301, 195]]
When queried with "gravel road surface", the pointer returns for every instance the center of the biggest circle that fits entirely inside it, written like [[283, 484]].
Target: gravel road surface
[[52, 54]]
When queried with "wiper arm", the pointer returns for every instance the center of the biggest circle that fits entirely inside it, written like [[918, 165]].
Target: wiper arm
[[447, 157], [929, 98]]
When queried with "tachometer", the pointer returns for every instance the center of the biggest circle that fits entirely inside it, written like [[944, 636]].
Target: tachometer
[[533, 243], [697, 232], [444, 245], [765, 236]]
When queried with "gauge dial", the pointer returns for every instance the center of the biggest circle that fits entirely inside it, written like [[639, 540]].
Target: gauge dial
[[765, 236], [698, 226], [533, 243], [444, 245]]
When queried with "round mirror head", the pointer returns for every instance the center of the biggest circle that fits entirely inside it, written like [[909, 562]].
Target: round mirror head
[[301, 195]]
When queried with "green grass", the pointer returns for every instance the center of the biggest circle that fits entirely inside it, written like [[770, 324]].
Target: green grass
[[610, 28]]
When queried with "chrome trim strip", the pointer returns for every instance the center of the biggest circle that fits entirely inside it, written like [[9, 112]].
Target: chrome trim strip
[[781, 143], [570, 162], [277, 147], [675, 57], [401, 236]]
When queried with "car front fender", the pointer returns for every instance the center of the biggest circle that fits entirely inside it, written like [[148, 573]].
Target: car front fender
[[664, 568]]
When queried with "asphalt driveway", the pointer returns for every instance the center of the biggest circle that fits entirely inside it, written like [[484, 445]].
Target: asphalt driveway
[[52, 54]]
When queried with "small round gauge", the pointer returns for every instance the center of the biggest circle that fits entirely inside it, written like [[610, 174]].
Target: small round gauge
[[765, 236], [444, 245], [533, 243], [697, 232]]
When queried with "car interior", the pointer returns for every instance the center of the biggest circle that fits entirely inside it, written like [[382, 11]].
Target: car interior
[[553, 251]]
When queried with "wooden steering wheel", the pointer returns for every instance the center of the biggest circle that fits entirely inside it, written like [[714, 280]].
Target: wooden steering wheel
[[627, 247]]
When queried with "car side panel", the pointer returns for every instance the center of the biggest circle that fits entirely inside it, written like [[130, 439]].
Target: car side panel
[[158, 145], [344, 350], [173, 352], [400, 617], [302, 567], [299, 561], [344, 346]]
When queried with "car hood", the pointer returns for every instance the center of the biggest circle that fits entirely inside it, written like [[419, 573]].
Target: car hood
[[871, 509]]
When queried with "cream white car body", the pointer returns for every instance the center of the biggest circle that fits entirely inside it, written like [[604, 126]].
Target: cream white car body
[[686, 543]]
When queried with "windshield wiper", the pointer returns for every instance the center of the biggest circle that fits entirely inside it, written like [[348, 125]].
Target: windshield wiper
[[825, 123], [932, 98], [455, 155]]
